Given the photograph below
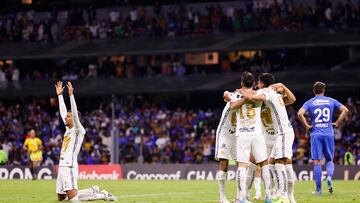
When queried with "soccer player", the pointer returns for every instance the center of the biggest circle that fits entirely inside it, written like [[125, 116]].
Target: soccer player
[[225, 147], [33, 146], [66, 183], [249, 138], [282, 149], [321, 109]]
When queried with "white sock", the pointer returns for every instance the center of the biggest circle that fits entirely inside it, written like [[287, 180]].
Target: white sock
[[75, 199], [91, 196], [282, 180], [257, 185], [291, 179], [241, 183], [265, 171], [222, 175], [274, 177], [250, 178], [87, 191]]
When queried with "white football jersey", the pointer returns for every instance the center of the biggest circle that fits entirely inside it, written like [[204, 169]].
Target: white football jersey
[[71, 147], [248, 118], [73, 137], [228, 116], [276, 104], [267, 123]]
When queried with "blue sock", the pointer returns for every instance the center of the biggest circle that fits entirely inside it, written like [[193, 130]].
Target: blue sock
[[329, 169], [317, 176]]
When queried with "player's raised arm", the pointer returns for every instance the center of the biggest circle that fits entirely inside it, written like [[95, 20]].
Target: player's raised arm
[[301, 116], [290, 97], [75, 114], [62, 107], [344, 112]]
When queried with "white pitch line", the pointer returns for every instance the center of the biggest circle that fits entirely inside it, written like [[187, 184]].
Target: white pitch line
[[163, 194]]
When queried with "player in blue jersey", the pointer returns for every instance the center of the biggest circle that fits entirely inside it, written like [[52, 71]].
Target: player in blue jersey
[[321, 110]]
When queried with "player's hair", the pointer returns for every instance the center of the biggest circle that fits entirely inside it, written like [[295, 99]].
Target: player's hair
[[319, 87], [247, 79], [266, 78]]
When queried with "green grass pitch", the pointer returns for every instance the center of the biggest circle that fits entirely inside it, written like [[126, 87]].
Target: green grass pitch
[[166, 191]]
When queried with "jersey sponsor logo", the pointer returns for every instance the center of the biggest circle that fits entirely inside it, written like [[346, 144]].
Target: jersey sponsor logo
[[246, 129], [318, 102]]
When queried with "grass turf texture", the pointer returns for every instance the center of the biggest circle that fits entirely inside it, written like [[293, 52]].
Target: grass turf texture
[[166, 191]]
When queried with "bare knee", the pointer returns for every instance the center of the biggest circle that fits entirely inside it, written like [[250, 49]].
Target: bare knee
[[71, 193], [223, 164]]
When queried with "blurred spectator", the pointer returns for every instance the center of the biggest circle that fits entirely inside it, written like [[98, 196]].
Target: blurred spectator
[[139, 22], [3, 156]]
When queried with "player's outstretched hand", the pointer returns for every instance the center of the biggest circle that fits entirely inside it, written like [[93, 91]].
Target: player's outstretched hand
[[336, 125], [59, 88], [70, 88]]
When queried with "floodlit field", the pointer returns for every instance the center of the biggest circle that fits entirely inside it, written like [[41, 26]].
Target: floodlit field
[[165, 191]]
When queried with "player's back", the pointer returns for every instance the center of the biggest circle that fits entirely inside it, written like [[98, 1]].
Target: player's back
[[228, 116], [249, 118], [279, 115], [70, 148], [321, 109]]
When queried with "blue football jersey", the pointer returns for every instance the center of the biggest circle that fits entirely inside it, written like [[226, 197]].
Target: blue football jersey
[[321, 110]]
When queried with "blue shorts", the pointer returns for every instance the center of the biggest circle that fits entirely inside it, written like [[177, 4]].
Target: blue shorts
[[322, 145]]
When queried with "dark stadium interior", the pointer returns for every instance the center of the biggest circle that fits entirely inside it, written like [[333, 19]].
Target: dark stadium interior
[[165, 65]]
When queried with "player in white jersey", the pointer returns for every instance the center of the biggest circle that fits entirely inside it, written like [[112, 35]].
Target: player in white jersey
[[225, 147], [249, 139], [282, 150], [66, 183]]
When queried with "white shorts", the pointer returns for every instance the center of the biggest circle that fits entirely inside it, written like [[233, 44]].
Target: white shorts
[[225, 147], [254, 144], [66, 179], [283, 146], [269, 141]]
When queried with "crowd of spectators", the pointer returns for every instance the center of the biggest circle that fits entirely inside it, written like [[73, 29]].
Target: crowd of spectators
[[108, 68], [163, 134], [158, 20]]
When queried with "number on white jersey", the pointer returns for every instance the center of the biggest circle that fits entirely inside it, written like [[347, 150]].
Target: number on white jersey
[[249, 113]]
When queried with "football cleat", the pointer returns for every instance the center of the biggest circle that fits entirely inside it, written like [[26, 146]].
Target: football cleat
[[108, 196], [316, 192], [329, 186]]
